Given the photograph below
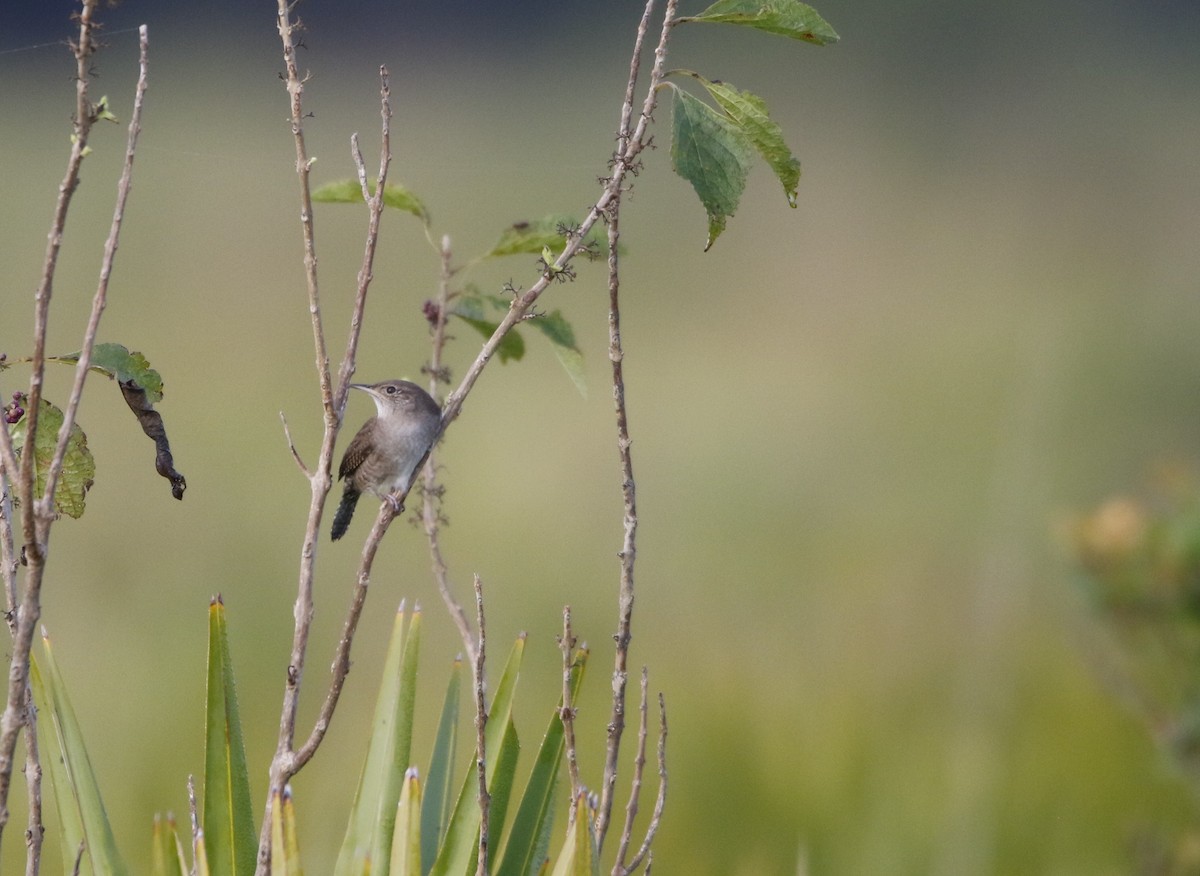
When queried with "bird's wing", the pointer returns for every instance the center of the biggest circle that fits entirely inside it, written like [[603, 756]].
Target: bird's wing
[[358, 450]]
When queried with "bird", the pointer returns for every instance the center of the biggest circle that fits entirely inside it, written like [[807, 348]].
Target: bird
[[383, 456]]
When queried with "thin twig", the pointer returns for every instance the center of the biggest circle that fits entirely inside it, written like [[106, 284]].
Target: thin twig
[[629, 143], [566, 644], [194, 820], [35, 831], [639, 765], [661, 800], [288, 761], [8, 548], [341, 660], [431, 513], [292, 447], [624, 162], [481, 719], [38, 513]]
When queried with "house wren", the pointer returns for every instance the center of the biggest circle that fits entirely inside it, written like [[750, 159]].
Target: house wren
[[383, 456]]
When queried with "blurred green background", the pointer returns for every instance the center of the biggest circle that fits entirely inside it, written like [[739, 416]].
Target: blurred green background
[[858, 426]]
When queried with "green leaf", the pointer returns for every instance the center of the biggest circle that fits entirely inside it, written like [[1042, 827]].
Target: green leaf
[[348, 191], [406, 839], [562, 340], [285, 846], [116, 362], [580, 855], [531, 238], [749, 112], [76, 792], [471, 310], [167, 851], [79, 468], [458, 852], [229, 836], [368, 841], [712, 153], [784, 17], [435, 811], [529, 839]]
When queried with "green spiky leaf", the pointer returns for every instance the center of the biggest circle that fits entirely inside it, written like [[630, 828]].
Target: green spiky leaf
[[285, 844], [229, 837], [462, 834], [788, 18], [167, 857], [713, 154], [76, 790], [529, 838], [79, 468], [438, 797], [406, 839], [368, 840]]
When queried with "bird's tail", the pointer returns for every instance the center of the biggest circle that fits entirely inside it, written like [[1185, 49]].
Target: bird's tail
[[345, 511]]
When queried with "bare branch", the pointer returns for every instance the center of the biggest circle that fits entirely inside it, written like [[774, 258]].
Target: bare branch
[[38, 513], [660, 802], [566, 644], [431, 513], [639, 765], [629, 144], [34, 830], [341, 661], [481, 719], [100, 299], [8, 548], [287, 761], [292, 447]]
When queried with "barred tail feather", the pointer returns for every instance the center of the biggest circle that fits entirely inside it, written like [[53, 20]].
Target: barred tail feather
[[345, 511]]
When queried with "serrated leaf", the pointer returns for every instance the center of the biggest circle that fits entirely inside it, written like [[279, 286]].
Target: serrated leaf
[[76, 790], [473, 310], [749, 112], [348, 191], [533, 237], [79, 468], [712, 153], [117, 362], [562, 340], [788, 18], [229, 837]]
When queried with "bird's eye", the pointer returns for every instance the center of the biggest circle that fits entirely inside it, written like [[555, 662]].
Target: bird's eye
[[391, 390]]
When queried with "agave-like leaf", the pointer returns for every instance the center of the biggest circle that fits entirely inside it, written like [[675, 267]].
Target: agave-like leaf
[[368, 841], [459, 849], [230, 839], [76, 791]]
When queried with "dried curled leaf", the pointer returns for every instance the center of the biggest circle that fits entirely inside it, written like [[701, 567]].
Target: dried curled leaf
[[142, 388]]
